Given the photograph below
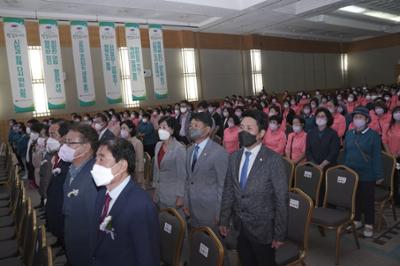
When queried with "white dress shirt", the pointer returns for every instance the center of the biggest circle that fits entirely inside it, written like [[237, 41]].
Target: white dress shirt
[[252, 158], [114, 194], [201, 145]]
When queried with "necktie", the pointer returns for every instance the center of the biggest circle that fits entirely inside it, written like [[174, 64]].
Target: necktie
[[243, 174], [105, 208], [194, 160]]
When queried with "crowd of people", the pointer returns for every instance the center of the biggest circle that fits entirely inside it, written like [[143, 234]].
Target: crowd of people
[[219, 164]]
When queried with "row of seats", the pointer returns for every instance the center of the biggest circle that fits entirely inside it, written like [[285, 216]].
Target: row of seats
[[22, 241]]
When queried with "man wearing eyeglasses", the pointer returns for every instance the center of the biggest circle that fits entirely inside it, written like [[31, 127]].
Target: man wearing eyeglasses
[[80, 193]]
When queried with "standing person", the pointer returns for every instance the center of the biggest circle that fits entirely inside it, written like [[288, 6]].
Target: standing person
[[380, 117], [100, 124], [59, 170], [169, 171], [80, 194], [128, 132], [308, 117], [275, 137], [322, 144], [206, 164], [126, 228], [391, 142], [184, 116], [339, 122], [149, 135], [362, 153], [231, 135], [296, 145], [255, 195]]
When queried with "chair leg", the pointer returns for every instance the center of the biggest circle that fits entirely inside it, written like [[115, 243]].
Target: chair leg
[[380, 215], [321, 231], [353, 228], [338, 233]]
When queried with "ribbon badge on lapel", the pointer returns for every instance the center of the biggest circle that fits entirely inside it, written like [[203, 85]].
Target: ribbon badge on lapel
[[106, 226], [56, 171], [74, 193]]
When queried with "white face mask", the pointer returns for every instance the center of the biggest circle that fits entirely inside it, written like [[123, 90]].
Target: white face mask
[[238, 114], [164, 134], [102, 176], [98, 127], [183, 109], [231, 124], [34, 136], [41, 142], [350, 100], [297, 129], [52, 145], [306, 111], [396, 116], [359, 123], [28, 130], [66, 153], [124, 133], [144, 120], [273, 127], [379, 111], [321, 121]]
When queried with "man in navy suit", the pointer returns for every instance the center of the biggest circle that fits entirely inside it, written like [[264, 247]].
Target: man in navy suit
[[80, 193], [100, 123], [127, 231]]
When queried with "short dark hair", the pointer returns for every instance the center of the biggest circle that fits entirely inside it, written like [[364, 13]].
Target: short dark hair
[[88, 133], [276, 118], [131, 126], [327, 114], [64, 127], [102, 116], [203, 117], [172, 123], [202, 104], [121, 149], [236, 119], [37, 127], [300, 118], [259, 116]]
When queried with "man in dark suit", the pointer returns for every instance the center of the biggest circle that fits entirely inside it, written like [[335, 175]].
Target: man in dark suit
[[127, 228], [255, 195], [80, 193], [100, 124], [55, 195]]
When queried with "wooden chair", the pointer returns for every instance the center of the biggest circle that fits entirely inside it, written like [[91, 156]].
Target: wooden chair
[[205, 248], [308, 178]]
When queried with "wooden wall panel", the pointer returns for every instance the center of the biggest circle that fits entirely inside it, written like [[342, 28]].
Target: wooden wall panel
[[375, 43], [219, 41]]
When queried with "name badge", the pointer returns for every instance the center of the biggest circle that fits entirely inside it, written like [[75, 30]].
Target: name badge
[[168, 228], [294, 203], [307, 174], [203, 250], [341, 180]]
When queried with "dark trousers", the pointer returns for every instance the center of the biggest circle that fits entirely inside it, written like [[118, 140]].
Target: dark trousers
[[365, 198], [149, 149], [396, 194], [254, 254]]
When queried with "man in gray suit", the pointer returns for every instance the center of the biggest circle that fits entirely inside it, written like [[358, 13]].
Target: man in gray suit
[[206, 165], [255, 195]]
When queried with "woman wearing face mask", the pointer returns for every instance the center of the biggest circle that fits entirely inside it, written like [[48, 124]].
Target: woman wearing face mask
[[296, 144], [309, 119], [135, 118], [322, 145], [391, 142], [275, 137], [314, 105], [362, 153], [380, 117], [128, 132], [114, 124], [226, 112], [148, 134], [155, 116], [38, 152], [351, 102], [169, 170], [339, 122], [231, 135]]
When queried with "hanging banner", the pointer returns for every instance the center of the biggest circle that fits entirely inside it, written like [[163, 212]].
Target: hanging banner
[[52, 63], [134, 46], [158, 61], [82, 63], [109, 55], [18, 64]]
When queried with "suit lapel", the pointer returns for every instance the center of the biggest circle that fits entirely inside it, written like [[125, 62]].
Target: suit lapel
[[202, 157], [189, 160], [236, 170], [257, 165], [170, 150]]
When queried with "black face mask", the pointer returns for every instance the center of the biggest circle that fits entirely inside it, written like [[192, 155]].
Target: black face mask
[[246, 139]]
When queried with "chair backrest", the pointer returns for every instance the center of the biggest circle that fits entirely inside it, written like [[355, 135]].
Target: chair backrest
[[40, 244], [205, 248], [389, 168], [47, 256], [308, 178], [289, 167], [299, 216], [30, 239], [341, 186], [21, 216], [172, 233]]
